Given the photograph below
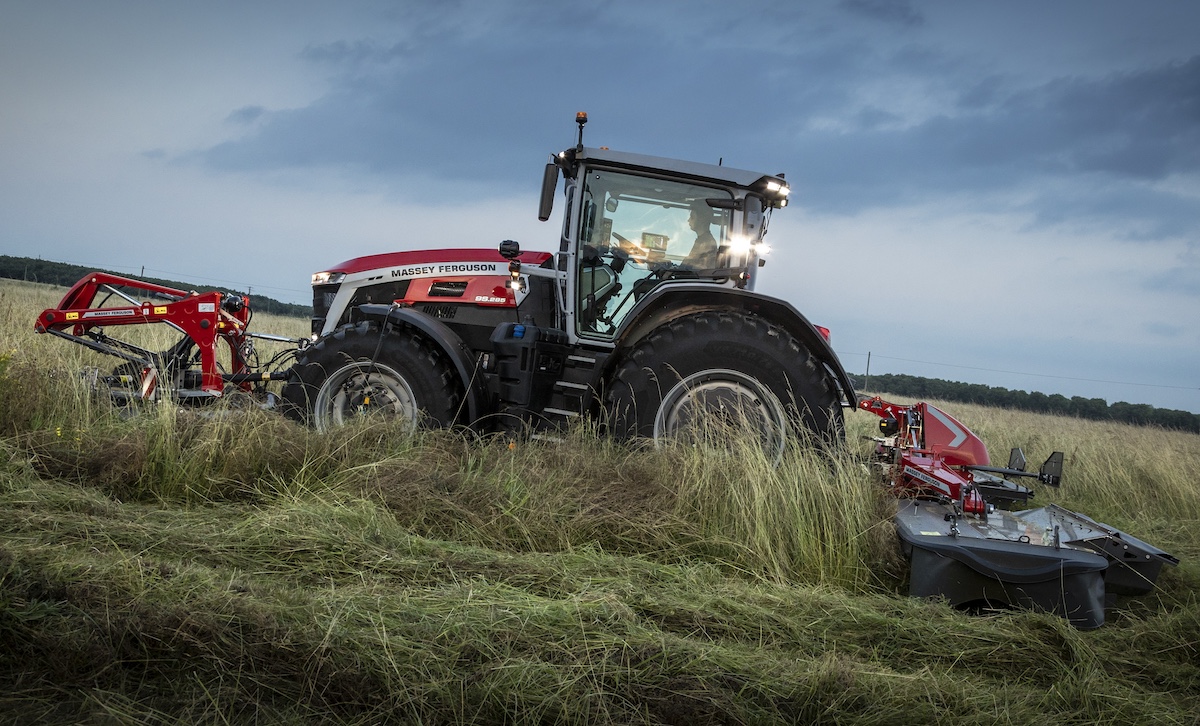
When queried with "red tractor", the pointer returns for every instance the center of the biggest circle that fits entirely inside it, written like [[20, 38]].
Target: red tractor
[[644, 315]]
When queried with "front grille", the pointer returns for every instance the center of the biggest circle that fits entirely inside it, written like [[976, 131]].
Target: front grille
[[322, 298]]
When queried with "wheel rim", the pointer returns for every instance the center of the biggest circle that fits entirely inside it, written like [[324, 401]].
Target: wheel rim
[[361, 389], [705, 406]]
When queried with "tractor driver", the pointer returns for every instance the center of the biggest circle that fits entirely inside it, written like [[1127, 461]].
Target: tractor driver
[[704, 250]]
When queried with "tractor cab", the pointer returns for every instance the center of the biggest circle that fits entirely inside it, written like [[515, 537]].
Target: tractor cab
[[634, 223]]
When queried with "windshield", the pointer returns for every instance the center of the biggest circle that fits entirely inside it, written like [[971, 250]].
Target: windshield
[[637, 232]]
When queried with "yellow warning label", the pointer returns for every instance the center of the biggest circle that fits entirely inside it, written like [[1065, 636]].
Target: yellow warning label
[[160, 309], [72, 316]]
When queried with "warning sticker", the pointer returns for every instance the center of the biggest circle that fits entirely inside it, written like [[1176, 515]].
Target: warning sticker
[[160, 309], [208, 307]]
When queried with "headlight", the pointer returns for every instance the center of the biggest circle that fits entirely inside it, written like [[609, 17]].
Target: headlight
[[776, 187], [328, 278], [739, 244]]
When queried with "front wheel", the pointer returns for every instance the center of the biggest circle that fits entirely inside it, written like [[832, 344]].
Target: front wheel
[[702, 375], [362, 371]]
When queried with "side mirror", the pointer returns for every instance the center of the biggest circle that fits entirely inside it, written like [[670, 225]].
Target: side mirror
[[724, 203], [549, 184]]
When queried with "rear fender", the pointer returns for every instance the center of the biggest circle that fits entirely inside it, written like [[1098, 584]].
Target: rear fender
[[669, 302], [475, 396]]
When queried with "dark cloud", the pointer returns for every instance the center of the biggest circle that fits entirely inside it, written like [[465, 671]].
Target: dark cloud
[[982, 94], [1130, 210], [900, 12], [1114, 139], [344, 52], [871, 118], [1185, 278], [448, 97], [1143, 125], [501, 107], [424, 117], [1164, 330], [245, 115]]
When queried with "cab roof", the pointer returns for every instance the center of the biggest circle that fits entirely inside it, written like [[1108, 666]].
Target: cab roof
[[754, 180]]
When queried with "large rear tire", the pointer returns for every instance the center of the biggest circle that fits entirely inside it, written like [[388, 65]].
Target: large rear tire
[[361, 371], [724, 367]]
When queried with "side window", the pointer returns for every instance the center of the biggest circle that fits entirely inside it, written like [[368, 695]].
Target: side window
[[569, 194]]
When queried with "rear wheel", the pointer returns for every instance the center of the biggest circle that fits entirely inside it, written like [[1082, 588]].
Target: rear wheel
[[703, 374], [361, 371]]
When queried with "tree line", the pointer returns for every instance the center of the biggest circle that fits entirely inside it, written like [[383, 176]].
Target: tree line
[[1090, 408], [32, 269]]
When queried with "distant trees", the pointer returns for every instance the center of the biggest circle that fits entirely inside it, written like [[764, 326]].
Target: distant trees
[[1090, 408]]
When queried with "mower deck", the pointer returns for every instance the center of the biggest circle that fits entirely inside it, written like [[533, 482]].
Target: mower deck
[[1048, 559]]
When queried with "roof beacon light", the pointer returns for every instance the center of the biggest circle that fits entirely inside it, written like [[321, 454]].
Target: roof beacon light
[[581, 119]]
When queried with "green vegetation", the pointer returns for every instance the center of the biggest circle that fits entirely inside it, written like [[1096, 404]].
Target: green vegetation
[[228, 566]]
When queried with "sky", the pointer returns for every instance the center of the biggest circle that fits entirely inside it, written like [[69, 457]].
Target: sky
[[997, 193]]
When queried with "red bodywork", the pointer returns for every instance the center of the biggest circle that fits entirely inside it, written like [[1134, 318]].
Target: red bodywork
[[484, 271], [203, 317], [929, 450]]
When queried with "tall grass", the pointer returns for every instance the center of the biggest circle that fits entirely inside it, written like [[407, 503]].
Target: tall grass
[[815, 516]]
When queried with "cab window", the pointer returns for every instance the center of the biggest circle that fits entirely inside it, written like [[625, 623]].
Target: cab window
[[637, 231]]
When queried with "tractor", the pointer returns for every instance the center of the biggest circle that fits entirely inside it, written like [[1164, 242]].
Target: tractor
[[645, 316]]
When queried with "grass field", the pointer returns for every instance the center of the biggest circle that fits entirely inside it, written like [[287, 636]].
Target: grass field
[[238, 568]]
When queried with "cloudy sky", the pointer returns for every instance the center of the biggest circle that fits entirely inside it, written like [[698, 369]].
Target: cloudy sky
[[1001, 193]]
